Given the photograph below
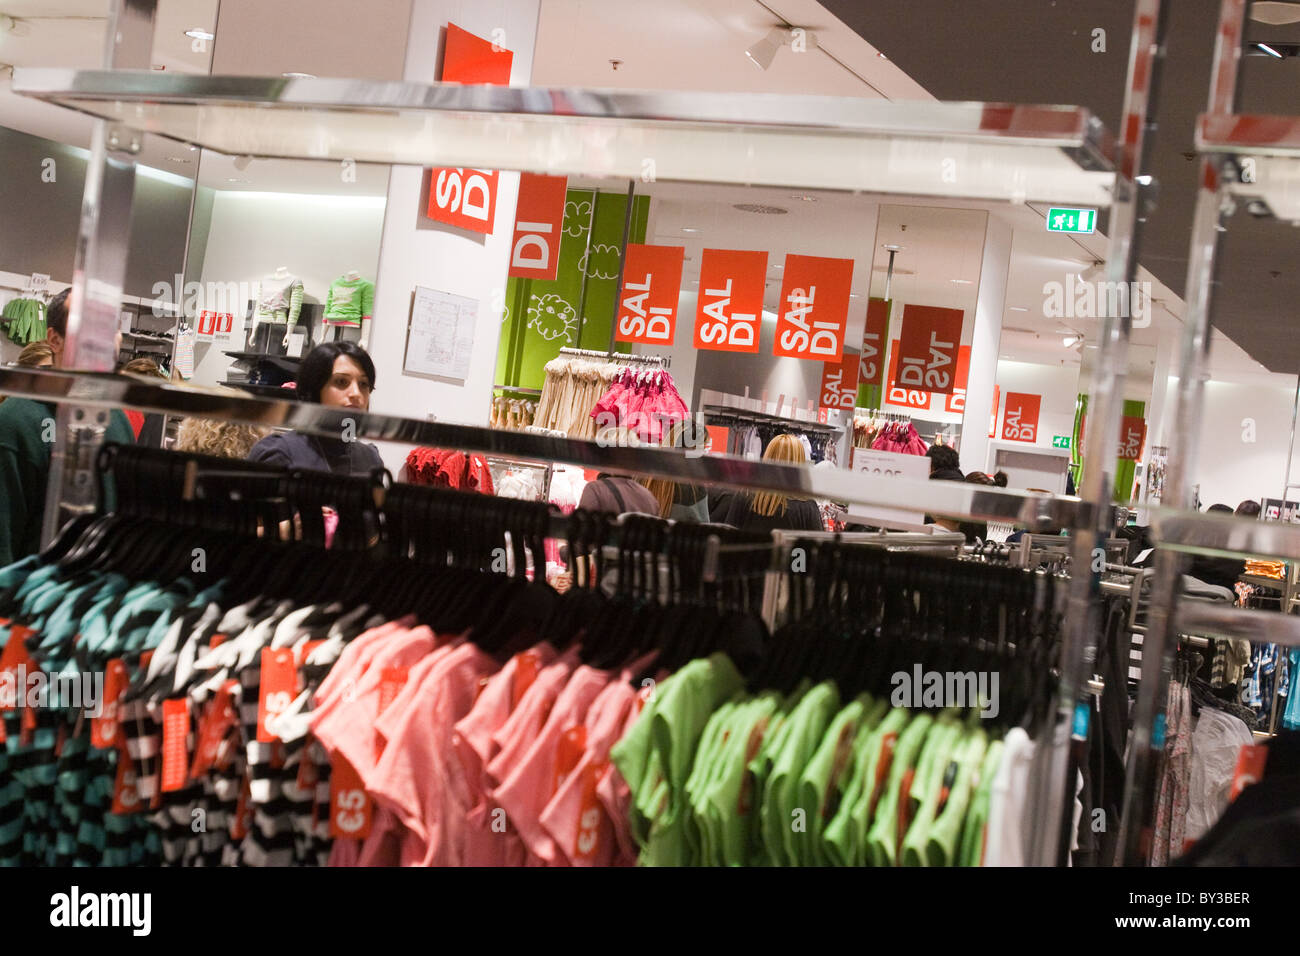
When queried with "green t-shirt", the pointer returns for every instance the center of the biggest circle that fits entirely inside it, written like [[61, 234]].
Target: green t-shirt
[[943, 841], [843, 836], [681, 710], [822, 784], [972, 835], [883, 837], [711, 741], [786, 824], [927, 787], [728, 806], [760, 769]]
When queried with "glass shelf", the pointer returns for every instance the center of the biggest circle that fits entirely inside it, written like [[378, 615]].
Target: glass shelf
[[950, 498], [1226, 536], [968, 150], [1266, 150]]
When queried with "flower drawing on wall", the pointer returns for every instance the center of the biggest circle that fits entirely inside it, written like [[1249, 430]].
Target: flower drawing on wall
[[552, 317], [576, 216], [604, 262]]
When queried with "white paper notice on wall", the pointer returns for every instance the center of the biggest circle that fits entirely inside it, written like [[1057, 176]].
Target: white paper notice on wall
[[877, 466], [295, 344], [440, 337], [185, 354]]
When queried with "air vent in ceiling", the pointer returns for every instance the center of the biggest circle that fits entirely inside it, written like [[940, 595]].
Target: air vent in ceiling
[[760, 209]]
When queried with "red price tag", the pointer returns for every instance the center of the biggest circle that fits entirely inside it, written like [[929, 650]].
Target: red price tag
[[1250, 768], [591, 813], [351, 809], [126, 798], [278, 682], [568, 754], [13, 690], [105, 730], [175, 754], [218, 717]]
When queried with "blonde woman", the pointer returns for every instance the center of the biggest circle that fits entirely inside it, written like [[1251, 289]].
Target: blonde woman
[[687, 503], [769, 510]]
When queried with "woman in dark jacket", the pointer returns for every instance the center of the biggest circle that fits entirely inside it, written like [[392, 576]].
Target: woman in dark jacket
[[340, 375]]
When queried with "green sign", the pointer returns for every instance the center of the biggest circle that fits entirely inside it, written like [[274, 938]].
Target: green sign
[[1060, 441], [1062, 219]]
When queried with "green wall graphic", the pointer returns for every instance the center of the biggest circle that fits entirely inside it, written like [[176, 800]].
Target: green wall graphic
[[542, 316], [1124, 470]]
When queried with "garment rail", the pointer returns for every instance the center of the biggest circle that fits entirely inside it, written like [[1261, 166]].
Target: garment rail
[[664, 361], [959, 500]]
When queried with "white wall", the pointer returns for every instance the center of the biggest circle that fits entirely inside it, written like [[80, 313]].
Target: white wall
[[317, 238], [1058, 385], [986, 338], [417, 251], [1243, 441]]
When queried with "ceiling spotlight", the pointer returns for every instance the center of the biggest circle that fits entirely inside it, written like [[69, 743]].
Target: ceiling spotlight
[[689, 229], [961, 281], [1269, 50], [1069, 340], [1016, 308], [241, 162], [762, 53], [299, 76], [244, 182], [200, 34]]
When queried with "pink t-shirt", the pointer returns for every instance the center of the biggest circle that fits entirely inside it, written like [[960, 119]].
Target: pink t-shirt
[[554, 754], [418, 776], [354, 657], [575, 818], [490, 840], [349, 727], [614, 793], [519, 731]]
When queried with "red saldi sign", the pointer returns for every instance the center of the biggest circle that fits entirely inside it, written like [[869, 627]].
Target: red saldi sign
[[652, 279], [871, 363], [467, 198], [957, 400], [896, 394], [729, 308], [1132, 437], [1020, 419], [840, 382], [928, 347], [814, 308], [539, 223]]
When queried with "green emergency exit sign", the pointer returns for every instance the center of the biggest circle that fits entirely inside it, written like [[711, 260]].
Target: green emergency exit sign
[[1061, 219], [1060, 441]]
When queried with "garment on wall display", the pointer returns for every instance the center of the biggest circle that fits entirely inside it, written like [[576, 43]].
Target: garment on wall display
[[349, 301], [24, 320], [279, 300]]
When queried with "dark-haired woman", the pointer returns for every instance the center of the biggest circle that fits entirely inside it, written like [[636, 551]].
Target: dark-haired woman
[[341, 375]]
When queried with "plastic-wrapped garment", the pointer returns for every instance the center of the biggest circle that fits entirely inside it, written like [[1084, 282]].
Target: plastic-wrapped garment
[[1216, 744], [26, 320]]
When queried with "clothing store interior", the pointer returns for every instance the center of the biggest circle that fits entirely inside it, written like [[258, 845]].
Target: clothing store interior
[[544, 433]]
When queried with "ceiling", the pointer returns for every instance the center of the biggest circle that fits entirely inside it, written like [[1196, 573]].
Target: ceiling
[[1049, 47], [859, 50]]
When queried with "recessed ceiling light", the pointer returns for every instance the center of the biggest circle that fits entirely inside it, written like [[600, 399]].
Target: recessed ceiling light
[[244, 181], [1016, 308], [803, 197], [689, 229], [200, 34], [179, 159], [961, 281], [760, 208], [300, 76]]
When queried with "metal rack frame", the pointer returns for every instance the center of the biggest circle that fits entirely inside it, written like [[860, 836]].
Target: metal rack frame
[[1011, 153], [1224, 139]]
